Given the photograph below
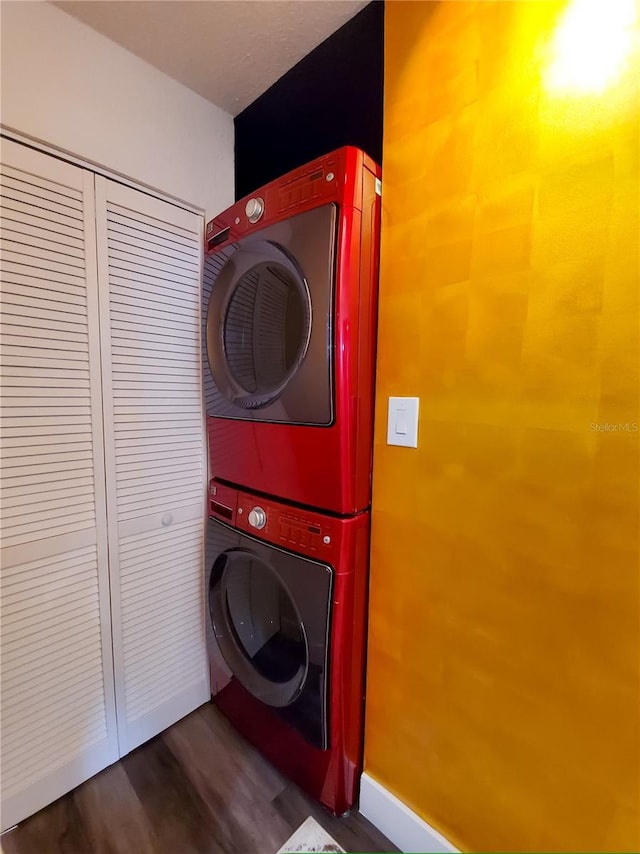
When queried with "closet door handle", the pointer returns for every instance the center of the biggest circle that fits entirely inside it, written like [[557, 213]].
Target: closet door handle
[[166, 520]]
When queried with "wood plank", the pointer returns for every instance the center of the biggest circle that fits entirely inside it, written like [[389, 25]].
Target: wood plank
[[240, 792], [57, 828], [182, 821], [100, 800], [197, 788], [249, 760]]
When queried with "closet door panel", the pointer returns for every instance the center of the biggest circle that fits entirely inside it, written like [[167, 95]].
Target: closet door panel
[[58, 723], [150, 263]]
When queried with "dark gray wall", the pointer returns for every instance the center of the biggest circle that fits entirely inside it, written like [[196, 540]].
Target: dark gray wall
[[332, 97]]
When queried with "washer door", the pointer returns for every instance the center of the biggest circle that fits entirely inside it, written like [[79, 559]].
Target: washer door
[[270, 613], [258, 628], [269, 331]]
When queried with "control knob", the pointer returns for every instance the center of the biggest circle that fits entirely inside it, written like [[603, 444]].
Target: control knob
[[257, 518], [254, 209]]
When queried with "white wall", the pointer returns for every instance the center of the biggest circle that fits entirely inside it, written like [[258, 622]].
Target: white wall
[[65, 84]]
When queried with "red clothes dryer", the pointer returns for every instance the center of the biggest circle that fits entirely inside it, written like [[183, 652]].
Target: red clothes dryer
[[289, 326], [287, 594]]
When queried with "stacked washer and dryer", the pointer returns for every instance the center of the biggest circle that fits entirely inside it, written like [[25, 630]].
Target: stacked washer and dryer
[[289, 326]]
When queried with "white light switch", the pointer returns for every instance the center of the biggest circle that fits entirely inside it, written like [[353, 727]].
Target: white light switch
[[402, 426], [401, 421]]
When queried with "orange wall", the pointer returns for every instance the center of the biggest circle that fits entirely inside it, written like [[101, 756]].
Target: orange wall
[[503, 659]]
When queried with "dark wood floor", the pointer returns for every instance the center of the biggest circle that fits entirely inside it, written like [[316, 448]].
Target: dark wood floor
[[198, 788]]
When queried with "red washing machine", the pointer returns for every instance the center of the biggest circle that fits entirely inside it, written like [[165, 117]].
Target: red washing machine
[[287, 592], [289, 326]]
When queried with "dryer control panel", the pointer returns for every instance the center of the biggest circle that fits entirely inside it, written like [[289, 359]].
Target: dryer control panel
[[334, 177]]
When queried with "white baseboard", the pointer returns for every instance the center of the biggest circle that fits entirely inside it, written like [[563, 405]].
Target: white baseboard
[[398, 823]]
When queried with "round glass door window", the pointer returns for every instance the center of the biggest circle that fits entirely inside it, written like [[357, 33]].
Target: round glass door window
[[258, 328], [258, 628]]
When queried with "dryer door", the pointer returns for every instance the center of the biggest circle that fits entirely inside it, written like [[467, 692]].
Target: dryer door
[[269, 611], [268, 323]]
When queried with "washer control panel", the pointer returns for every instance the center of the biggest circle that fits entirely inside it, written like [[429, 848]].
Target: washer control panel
[[291, 528], [303, 531]]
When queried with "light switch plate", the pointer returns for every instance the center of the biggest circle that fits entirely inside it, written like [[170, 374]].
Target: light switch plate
[[402, 424]]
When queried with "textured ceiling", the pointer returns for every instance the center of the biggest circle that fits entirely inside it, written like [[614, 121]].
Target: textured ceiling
[[229, 51]]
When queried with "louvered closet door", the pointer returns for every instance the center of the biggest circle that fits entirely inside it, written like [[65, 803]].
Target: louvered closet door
[[58, 713], [151, 261]]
